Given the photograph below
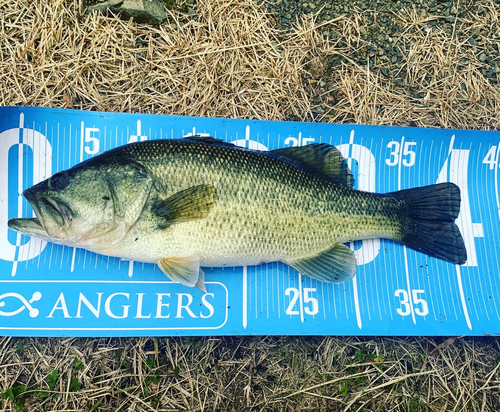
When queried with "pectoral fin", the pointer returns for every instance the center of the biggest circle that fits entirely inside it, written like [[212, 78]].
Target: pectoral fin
[[336, 265], [189, 204], [184, 270]]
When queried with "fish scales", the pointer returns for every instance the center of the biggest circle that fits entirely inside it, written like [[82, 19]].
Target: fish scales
[[266, 209], [198, 202]]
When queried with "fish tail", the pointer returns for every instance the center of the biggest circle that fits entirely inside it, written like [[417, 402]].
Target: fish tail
[[428, 224]]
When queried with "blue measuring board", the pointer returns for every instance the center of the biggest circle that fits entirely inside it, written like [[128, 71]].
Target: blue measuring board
[[53, 290]]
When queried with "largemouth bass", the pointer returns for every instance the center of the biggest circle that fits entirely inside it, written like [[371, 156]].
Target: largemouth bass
[[198, 201]]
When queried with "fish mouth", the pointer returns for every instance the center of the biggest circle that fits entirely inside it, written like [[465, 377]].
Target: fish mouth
[[58, 212], [53, 216], [28, 226]]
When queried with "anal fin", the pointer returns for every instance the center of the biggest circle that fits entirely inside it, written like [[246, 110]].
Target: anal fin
[[336, 265], [185, 270]]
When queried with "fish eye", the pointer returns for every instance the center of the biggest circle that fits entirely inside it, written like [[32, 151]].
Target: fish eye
[[59, 181]]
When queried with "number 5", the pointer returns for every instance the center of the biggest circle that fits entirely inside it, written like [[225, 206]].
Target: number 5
[[410, 161], [314, 309], [91, 139], [424, 311]]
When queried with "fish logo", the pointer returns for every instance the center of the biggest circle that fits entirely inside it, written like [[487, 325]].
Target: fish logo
[[26, 304]]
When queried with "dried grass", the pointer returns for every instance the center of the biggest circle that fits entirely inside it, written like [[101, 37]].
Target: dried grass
[[331, 373], [230, 61], [441, 83]]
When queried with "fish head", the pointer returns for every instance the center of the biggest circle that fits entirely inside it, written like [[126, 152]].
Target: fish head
[[92, 205]]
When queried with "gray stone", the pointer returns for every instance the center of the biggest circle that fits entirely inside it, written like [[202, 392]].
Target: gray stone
[[102, 7], [142, 11], [473, 41]]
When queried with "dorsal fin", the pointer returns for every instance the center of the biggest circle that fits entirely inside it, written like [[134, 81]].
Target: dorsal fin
[[207, 139], [322, 159]]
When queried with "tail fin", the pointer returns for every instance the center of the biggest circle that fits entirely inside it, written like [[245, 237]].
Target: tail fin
[[429, 226]]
